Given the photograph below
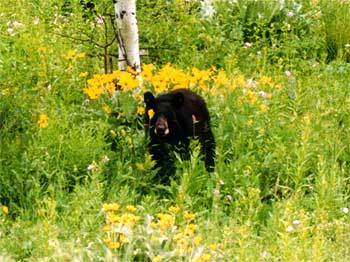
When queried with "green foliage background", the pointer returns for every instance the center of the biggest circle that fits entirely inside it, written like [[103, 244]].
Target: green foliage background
[[273, 168]]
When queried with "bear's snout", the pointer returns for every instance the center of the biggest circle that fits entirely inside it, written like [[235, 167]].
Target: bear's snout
[[161, 127]]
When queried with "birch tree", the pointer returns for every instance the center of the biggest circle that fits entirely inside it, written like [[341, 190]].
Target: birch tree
[[127, 34]]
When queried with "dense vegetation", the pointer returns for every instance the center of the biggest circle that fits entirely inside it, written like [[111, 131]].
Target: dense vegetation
[[76, 179]]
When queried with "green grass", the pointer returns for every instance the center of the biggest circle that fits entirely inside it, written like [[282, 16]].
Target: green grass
[[280, 191]]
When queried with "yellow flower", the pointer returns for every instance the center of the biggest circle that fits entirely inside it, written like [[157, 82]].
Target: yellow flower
[[129, 219], [93, 92], [106, 228], [221, 79], [174, 209], [110, 207], [43, 121], [202, 258], [123, 239], [42, 49], [279, 86], [265, 80], [80, 55], [154, 225], [113, 245], [154, 239], [190, 229], [213, 247], [127, 81], [189, 216], [178, 236], [198, 240], [251, 96], [263, 108], [238, 81], [165, 221], [150, 113], [147, 72], [107, 109], [157, 259], [130, 208], [112, 218], [70, 55], [5, 210], [83, 74], [182, 243], [107, 240], [113, 133], [140, 110], [110, 88]]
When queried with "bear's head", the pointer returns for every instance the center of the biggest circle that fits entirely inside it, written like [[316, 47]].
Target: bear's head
[[165, 107]]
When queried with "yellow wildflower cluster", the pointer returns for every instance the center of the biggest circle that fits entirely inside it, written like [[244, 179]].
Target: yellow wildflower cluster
[[110, 207], [72, 55], [4, 209], [255, 91], [107, 109], [118, 225], [109, 83], [140, 110], [165, 222], [172, 234], [211, 81], [162, 80], [43, 121], [83, 74]]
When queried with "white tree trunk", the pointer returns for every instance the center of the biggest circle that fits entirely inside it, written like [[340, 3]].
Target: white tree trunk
[[128, 37]]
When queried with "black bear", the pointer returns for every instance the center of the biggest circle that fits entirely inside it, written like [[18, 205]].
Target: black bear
[[178, 116]]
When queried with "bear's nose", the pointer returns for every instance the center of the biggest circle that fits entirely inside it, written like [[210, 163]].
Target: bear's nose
[[161, 131]]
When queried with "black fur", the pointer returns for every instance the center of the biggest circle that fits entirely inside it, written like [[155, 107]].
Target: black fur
[[186, 117]]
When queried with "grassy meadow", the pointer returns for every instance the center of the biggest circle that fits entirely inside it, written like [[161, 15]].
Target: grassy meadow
[[76, 181]]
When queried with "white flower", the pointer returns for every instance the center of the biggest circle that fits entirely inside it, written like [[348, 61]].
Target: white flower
[[290, 229], [16, 24], [251, 83], [290, 14], [345, 210], [12, 25], [216, 192], [264, 254], [229, 198], [10, 31], [296, 222], [288, 73], [105, 159], [100, 20], [36, 21], [347, 46], [262, 94], [207, 9], [92, 167], [247, 45]]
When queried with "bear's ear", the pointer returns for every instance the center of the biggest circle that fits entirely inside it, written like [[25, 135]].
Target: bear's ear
[[178, 99], [149, 99]]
